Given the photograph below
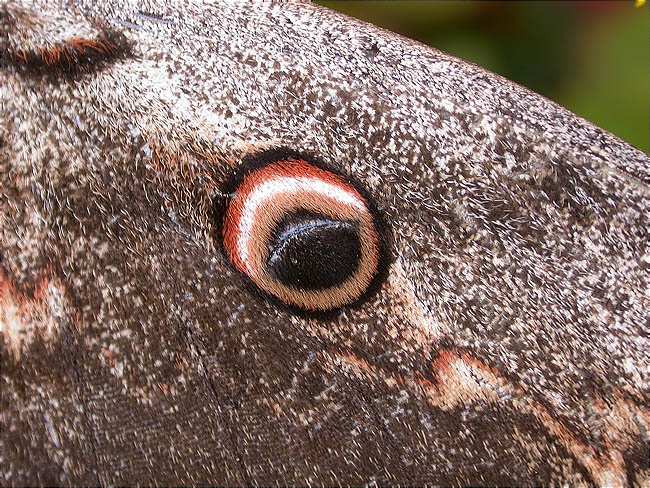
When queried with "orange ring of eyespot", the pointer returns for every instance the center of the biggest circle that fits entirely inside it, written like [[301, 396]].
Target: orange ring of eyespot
[[265, 196]]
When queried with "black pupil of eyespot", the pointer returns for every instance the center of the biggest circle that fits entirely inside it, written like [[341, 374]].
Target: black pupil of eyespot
[[314, 252]]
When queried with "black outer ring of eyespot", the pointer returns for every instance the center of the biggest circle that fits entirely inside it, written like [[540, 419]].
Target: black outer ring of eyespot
[[256, 161]]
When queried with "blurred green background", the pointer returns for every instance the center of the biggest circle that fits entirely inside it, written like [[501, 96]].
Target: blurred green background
[[592, 57]]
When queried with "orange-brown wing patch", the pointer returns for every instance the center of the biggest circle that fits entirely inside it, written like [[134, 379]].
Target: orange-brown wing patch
[[463, 380], [23, 319]]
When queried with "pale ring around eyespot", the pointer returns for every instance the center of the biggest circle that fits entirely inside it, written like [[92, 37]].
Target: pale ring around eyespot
[[266, 197], [342, 294], [271, 188]]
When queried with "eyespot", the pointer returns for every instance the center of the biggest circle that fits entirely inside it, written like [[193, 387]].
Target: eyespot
[[303, 235]]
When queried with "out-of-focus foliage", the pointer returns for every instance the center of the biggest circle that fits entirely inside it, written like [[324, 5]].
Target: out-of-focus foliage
[[592, 57]]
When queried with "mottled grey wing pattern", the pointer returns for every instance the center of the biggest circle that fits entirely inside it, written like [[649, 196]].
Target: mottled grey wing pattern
[[508, 343]]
